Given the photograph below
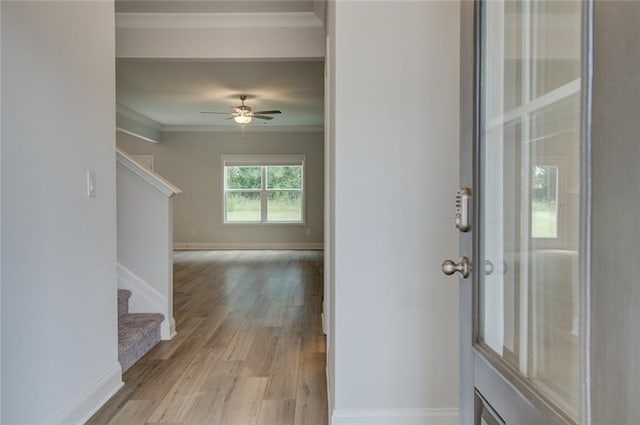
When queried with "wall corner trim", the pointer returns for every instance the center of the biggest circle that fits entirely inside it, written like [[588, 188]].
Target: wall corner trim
[[437, 416], [134, 134], [88, 403], [138, 117], [135, 124], [168, 329]]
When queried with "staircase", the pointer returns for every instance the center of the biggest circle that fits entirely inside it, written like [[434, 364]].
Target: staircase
[[137, 332]]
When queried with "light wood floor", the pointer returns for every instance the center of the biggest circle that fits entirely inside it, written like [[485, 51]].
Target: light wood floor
[[249, 349]]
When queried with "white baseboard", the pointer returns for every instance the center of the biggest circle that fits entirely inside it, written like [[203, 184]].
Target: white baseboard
[[395, 417], [88, 403], [168, 327], [146, 299], [249, 246]]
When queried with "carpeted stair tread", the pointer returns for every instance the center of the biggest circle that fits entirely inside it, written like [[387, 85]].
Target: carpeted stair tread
[[137, 334], [123, 301]]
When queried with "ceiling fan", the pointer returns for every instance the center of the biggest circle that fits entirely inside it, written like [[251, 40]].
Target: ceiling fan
[[242, 114]]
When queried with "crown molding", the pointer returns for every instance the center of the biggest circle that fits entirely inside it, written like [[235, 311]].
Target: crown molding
[[248, 129], [134, 134], [136, 116], [217, 20]]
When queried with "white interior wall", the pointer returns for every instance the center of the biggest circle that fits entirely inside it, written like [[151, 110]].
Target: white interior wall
[[59, 331], [0, 214], [145, 211], [396, 174], [145, 246], [329, 217], [192, 161]]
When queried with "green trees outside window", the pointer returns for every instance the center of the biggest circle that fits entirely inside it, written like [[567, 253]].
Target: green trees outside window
[[544, 202], [264, 193]]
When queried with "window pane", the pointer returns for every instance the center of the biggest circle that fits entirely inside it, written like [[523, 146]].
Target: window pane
[[243, 177], [530, 130], [284, 206], [556, 38], [544, 202], [243, 206], [284, 177]]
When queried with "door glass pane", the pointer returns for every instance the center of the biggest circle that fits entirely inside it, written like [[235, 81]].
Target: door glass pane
[[529, 188]]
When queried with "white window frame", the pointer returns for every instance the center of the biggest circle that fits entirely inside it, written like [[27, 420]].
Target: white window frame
[[264, 161]]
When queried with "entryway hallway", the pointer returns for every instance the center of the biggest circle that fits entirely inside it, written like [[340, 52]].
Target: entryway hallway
[[249, 350]]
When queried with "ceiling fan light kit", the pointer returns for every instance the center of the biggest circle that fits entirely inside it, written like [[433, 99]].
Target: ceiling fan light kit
[[244, 115], [242, 119]]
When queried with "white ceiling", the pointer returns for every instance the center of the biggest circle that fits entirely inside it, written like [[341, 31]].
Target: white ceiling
[[173, 93]]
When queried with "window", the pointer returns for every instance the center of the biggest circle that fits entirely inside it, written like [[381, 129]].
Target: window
[[544, 201], [263, 188]]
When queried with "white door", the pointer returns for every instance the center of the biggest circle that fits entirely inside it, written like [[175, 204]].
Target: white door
[[520, 157]]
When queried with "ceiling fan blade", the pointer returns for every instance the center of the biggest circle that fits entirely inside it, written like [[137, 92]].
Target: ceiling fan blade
[[267, 112], [209, 112], [262, 117]]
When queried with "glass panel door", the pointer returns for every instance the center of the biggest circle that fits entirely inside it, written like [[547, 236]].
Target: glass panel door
[[529, 188]]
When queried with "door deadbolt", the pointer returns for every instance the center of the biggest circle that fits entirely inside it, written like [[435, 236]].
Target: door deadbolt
[[463, 209], [463, 267]]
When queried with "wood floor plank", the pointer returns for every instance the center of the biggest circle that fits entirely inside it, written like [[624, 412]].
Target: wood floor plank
[[275, 315], [249, 348], [177, 403], [223, 336], [245, 401], [165, 349], [211, 322], [134, 412], [284, 377], [107, 412], [242, 341], [259, 361], [209, 408], [277, 412], [311, 402], [169, 371]]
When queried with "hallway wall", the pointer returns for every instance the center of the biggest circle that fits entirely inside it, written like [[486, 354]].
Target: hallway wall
[[396, 173], [59, 330]]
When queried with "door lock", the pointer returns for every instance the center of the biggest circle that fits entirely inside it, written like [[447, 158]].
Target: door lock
[[463, 267], [463, 209]]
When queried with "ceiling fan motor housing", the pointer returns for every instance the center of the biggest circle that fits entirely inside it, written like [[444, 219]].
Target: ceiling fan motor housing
[[243, 111]]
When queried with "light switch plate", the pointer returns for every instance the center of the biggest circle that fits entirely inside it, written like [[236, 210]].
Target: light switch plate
[[91, 184]]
